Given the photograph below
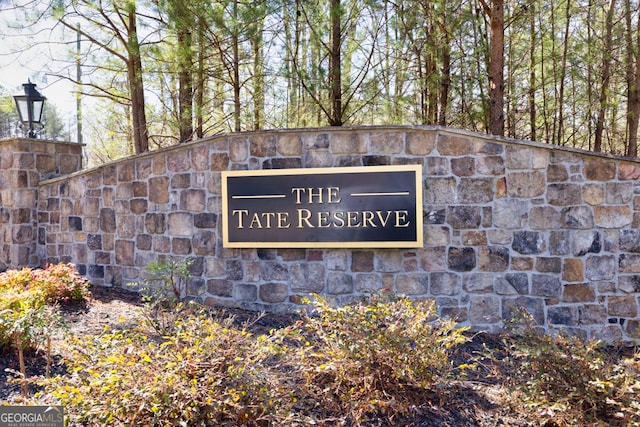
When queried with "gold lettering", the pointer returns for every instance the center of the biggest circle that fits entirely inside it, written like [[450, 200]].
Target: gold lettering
[[297, 192], [338, 219], [352, 219], [283, 220], [255, 219], [323, 220], [268, 216], [303, 216], [383, 221], [239, 212], [367, 218], [401, 216], [332, 195]]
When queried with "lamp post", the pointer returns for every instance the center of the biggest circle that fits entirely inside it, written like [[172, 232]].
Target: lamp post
[[30, 107]]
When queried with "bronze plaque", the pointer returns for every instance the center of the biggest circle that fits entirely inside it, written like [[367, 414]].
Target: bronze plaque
[[357, 207]]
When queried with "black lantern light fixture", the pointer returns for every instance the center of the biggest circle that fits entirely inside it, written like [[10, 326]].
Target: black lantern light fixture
[[30, 107]]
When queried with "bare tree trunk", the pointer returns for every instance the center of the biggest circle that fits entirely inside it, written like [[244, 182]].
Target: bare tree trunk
[[199, 81], [563, 68], [532, 74], [185, 82], [136, 85], [335, 65], [633, 83], [236, 68], [495, 13], [606, 75]]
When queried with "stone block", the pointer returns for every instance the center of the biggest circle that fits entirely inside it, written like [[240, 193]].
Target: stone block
[[107, 220], [586, 242], [490, 165], [510, 213], [463, 166], [234, 269], [219, 161], [622, 306], [473, 238], [437, 236], [289, 145], [549, 264], [600, 267], [573, 270], [368, 283], [478, 283], [436, 166], [420, 143], [220, 287], [493, 258], [612, 216], [181, 246], [238, 149], [262, 145], [453, 145], [274, 271], [339, 283], [386, 143], [528, 242], [178, 161], [433, 258], [124, 252], [564, 194], [412, 284], [544, 218], [546, 285], [243, 292], [512, 284], [159, 190], [461, 259], [180, 223], [629, 284], [484, 309], [444, 283], [440, 190], [566, 316], [534, 306], [362, 261], [619, 192], [525, 184], [461, 217], [388, 261], [193, 200], [629, 263], [579, 292], [307, 277], [475, 190], [273, 292], [593, 194], [200, 158], [628, 171], [336, 260], [597, 169]]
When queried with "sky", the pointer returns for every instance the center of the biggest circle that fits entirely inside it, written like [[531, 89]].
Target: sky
[[26, 55]]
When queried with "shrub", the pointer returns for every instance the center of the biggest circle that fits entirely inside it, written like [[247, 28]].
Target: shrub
[[28, 307], [376, 359], [205, 373], [572, 381]]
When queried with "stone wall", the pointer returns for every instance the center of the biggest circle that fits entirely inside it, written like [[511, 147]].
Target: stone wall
[[23, 164], [507, 224]]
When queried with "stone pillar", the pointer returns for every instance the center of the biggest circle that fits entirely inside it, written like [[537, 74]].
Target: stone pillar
[[24, 163]]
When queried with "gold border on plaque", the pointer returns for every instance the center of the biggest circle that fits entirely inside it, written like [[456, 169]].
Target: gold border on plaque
[[418, 243]]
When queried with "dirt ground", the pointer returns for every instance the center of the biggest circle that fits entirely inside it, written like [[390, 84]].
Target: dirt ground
[[478, 401]]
